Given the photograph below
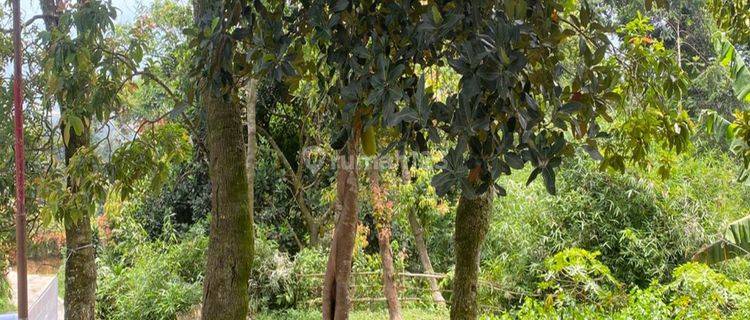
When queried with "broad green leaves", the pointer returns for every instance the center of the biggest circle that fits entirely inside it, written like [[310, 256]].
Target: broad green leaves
[[86, 170], [148, 158], [648, 102], [515, 103], [142, 164], [736, 132], [734, 242], [83, 72], [736, 68], [732, 16]]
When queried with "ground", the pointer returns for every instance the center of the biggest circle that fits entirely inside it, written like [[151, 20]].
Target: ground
[[407, 313]]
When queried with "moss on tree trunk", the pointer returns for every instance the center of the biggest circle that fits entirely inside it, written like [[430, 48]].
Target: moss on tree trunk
[[80, 264], [472, 224], [230, 247]]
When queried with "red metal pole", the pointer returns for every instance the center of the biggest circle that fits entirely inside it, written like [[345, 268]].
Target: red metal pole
[[23, 299]]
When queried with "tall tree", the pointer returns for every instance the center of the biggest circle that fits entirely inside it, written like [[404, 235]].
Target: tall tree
[[83, 80], [80, 266], [230, 248], [518, 101]]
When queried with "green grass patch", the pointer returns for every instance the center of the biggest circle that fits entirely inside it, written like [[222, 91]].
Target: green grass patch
[[407, 314]]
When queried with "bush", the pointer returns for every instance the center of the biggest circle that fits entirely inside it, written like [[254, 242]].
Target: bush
[[642, 225], [6, 303], [272, 278], [157, 279], [575, 275], [696, 292]]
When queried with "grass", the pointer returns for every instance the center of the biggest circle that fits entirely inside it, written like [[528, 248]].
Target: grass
[[407, 314]]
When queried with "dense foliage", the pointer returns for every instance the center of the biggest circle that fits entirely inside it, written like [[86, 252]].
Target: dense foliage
[[615, 133]]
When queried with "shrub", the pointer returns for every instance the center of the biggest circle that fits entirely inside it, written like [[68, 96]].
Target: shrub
[[272, 278], [576, 276], [150, 279], [643, 226], [6, 303], [696, 292]]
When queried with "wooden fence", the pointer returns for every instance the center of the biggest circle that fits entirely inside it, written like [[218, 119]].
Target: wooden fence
[[412, 287], [366, 289]]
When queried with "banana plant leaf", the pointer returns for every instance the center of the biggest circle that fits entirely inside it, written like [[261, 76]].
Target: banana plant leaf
[[735, 65], [735, 242]]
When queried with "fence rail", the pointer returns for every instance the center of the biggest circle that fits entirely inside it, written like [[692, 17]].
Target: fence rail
[[409, 291]]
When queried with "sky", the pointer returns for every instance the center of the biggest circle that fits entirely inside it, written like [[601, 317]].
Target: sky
[[128, 9]]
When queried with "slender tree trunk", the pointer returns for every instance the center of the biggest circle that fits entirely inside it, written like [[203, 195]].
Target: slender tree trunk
[[230, 247], [251, 90], [419, 241], [679, 43], [336, 298], [313, 226], [383, 212], [472, 224], [80, 265], [80, 262]]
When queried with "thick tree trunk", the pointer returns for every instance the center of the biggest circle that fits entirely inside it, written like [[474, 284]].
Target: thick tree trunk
[[419, 241], [472, 224], [80, 265], [336, 281], [383, 212], [230, 247]]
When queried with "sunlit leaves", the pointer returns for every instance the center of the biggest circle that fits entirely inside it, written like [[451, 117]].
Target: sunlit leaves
[[732, 16], [149, 158], [738, 71], [86, 171], [83, 74], [649, 99]]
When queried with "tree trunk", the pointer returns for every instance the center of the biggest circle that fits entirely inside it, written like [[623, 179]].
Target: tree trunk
[[472, 224], [298, 188], [382, 211], [80, 262], [251, 90], [419, 241], [230, 247], [336, 281], [80, 265]]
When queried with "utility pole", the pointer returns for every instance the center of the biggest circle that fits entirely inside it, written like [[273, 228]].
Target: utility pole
[[23, 298]]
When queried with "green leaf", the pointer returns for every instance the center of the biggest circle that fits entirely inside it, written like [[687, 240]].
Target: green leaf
[[734, 242], [735, 65], [77, 124], [66, 134], [571, 107], [436, 15], [549, 180], [340, 5], [718, 126]]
